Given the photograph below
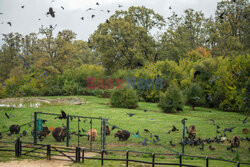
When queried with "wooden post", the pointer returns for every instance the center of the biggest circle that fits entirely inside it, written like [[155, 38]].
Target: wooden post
[[207, 161], [127, 154], [153, 159], [102, 156], [17, 148], [48, 152], [180, 160], [77, 154], [67, 140], [83, 156], [35, 128], [20, 148]]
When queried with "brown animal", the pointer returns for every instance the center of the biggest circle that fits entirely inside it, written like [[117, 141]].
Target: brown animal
[[42, 133], [122, 135], [14, 129], [245, 131], [107, 130], [235, 141], [191, 132], [94, 134], [59, 134]]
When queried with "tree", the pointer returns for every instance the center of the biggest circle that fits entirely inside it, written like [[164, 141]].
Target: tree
[[194, 95], [122, 45]]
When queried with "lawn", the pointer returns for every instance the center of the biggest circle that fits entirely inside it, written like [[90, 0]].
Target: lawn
[[157, 122]]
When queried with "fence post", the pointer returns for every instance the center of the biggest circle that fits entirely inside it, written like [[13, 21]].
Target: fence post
[[67, 142], [20, 148], [82, 155], [48, 152], [35, 128], [238, 164], [77, 154], [17, 148], [102, 157], [180, 160], [127, 154], [153, 159], [207, 161], [183, 135]]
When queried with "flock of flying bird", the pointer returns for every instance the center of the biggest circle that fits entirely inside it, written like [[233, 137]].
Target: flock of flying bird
[[51, 12]]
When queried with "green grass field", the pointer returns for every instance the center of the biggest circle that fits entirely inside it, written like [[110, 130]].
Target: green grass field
[[157, 122]]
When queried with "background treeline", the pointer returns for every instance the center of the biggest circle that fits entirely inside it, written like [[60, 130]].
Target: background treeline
[[207, 59]]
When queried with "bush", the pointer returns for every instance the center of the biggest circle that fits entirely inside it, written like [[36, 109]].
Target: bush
[[124, 98], [172, 100], [194, 95]]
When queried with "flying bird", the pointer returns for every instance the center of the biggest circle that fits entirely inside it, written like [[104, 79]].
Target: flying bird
[[108, 11], [196, 74], [7, 115], [245, 120], [90, 9], [97, 3], [9, 23], [62, 7], [51, 12], [120, 6], [82, 18], [92, 16], [22, 6], [170, 7]]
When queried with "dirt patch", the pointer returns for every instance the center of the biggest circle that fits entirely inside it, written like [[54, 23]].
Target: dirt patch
[[44, 163], [35, 163]]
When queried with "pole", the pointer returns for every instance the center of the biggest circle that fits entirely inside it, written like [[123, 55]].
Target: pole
[[35, 128], [183, 135], [78, 132], [67, 142], [127, 154], [153, 159], [91, 134], [48, 152]]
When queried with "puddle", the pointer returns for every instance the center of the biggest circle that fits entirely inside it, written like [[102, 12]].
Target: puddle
[[30, 104], [39, 102]]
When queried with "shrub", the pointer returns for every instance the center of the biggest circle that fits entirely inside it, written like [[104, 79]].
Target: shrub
[[124, 98], [172, 100], [194, 95]]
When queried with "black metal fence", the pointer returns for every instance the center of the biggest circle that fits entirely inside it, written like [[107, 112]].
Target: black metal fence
[[79, 154]]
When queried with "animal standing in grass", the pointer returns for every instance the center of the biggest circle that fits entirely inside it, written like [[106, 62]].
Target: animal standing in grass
[[94, 134], [14, 129], [107, 130], [235, 141], [59, 134], [191, 132], [122, 135]]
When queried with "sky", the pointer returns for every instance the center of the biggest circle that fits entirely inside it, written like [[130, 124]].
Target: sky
[[30, 18]]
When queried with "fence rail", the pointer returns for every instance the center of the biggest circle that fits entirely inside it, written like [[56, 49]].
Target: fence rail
[[81, 152]]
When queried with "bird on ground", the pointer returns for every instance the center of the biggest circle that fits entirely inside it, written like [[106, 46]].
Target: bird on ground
[[83, 130], [171, 143], [145, 110], [174, 129], [146, 130], [228, 129], [211, 148], [157, 137], [202, 146], [24, 133], [169, 131], [218, 127], [144, 143], [137, 133], [130, 114], [212, 120]]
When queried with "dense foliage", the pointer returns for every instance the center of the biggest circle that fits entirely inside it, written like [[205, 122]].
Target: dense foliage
[[207, 58]]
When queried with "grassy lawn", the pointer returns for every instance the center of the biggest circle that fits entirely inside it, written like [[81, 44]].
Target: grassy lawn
[[157, 122]]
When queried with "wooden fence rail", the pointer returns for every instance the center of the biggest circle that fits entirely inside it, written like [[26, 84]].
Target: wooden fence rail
[[80, 155]]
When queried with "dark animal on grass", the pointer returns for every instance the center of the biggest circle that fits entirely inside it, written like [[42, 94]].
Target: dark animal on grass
[[92, 134], [235, 141], [14, 129], [191, 132], [245, 131], [42, 133], [59, 134], [122, 135], [107, 130]]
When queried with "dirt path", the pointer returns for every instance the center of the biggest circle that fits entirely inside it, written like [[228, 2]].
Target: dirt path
[[35, 163], [43, 163]]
